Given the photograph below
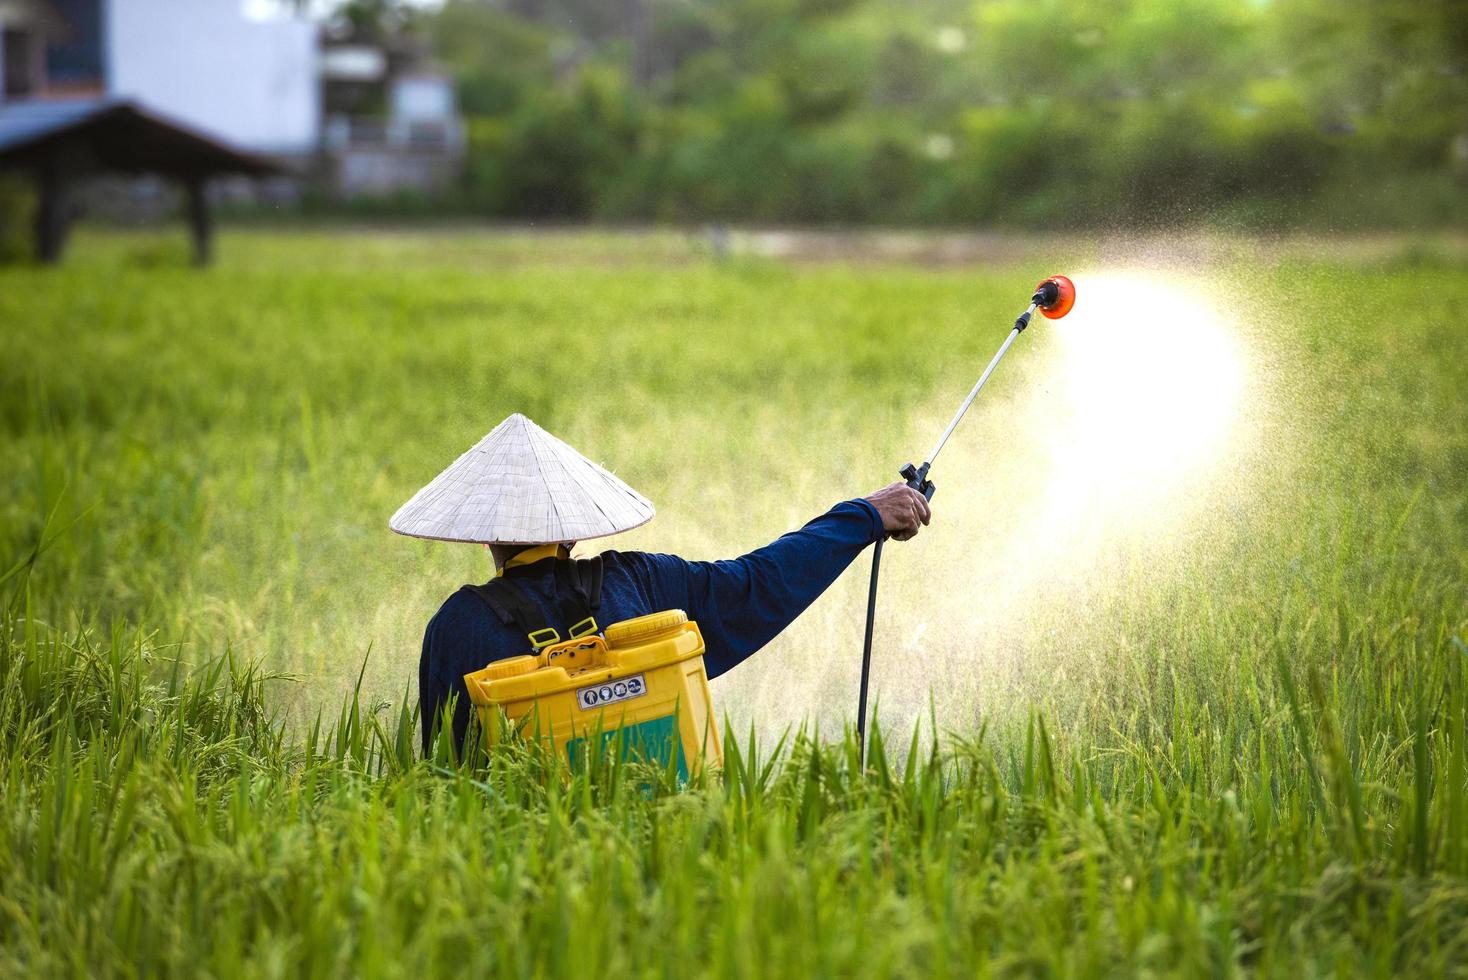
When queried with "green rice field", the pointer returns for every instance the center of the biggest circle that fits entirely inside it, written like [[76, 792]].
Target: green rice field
[[1176, 683]]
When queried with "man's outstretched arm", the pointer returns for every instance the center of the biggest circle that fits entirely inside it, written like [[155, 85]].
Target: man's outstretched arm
[[742, 603]]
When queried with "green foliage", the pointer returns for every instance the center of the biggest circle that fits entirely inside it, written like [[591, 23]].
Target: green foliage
[[1132, 112], [551, 156], [1252, 763], [1251, 758], [155, 822], [499, 60]]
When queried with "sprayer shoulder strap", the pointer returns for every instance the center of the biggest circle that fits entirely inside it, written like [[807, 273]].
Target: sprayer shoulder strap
[[585, 575], [509, 604], [578, 597]]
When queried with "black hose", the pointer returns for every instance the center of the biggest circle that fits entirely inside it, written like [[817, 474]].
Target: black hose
[[866, 658]]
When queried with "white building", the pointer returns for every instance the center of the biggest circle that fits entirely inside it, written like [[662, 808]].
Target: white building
[[251, 74], [249, 80], [253, 82]]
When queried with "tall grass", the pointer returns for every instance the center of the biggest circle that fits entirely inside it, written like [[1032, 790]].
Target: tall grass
[[157, 820], [1246, 758]]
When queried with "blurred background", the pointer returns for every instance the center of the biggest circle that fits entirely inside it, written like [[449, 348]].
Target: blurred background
[[1249, 114]]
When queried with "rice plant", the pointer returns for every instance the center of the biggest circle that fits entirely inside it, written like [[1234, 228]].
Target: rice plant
[[1229, 745]]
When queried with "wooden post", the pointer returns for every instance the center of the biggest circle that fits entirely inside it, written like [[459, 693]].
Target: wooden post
[[201, 226], [51, 216]]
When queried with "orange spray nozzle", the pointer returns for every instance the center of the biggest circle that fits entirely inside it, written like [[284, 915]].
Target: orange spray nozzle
[[1055, 296]]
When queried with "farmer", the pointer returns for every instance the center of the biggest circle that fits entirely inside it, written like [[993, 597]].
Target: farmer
[[530, 497]]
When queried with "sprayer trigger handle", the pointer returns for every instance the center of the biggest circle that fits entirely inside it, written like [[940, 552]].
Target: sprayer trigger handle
[[918, 480]]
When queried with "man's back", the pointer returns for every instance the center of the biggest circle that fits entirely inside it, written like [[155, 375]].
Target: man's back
[[740, 604]]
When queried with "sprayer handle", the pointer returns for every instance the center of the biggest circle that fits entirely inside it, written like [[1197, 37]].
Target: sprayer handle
[[918, 480]]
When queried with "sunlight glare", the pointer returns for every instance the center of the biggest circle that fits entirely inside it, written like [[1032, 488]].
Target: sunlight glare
[[1149, 385]]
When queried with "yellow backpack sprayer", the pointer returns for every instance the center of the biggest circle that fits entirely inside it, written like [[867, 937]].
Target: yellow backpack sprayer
[[1053, 298], [641, 685]]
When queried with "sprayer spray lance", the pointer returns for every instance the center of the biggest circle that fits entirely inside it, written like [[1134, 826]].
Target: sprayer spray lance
[[1053, 298]]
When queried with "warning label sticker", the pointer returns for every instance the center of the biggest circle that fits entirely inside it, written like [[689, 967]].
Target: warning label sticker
[[601, 695]]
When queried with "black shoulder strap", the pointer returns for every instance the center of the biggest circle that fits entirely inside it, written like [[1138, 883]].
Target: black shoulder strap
[[585, 575], [579, 584], [490, 596], [593, 592], [508, 603]]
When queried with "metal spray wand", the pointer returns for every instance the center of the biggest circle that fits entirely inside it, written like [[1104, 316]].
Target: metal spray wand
[[1053, 298]]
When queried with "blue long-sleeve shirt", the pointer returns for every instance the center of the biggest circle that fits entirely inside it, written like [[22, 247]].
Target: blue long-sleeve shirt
[[739, 604]]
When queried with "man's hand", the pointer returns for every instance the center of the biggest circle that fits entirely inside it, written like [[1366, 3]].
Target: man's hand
[[903, 510]]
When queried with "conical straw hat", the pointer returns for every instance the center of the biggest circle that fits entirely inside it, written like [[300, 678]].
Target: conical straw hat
[[522, 485]]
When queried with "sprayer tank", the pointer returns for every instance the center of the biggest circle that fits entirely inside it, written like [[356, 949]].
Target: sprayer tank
[[642, 685]]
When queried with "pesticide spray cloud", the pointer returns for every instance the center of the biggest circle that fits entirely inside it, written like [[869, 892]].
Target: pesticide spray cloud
[[1104, 445], [1126, 420]]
